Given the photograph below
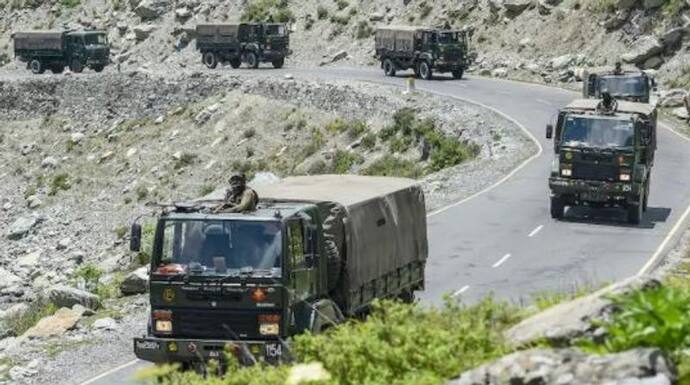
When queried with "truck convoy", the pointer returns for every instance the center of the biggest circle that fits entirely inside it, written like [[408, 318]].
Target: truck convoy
[[249, 43], [604, 154], [316, 250], [424, 50], [55, 50], [627, 84]]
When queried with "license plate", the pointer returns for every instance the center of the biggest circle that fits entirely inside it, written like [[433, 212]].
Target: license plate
[[148, 345], [594, 197]]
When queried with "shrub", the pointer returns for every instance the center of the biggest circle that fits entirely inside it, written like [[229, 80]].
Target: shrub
[[398, 344], [87, 276], [184, 160], [321, 12], [363, 30], [206, 189], [60, 182], [249, 133], [391, 165], [343, 161], [424, 10], [369, 141], [338, 126], [341, 4], [268, 10], [356, 129], [69, 3]]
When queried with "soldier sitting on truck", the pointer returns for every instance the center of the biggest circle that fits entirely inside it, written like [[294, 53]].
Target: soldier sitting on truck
[[238, 198]]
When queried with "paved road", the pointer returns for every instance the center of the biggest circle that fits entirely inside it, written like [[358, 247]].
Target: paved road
[[503, 241]]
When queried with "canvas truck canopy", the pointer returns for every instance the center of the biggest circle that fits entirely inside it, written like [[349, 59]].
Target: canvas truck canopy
[[381, 220], [397, 38], [38, 40], [217, 29]]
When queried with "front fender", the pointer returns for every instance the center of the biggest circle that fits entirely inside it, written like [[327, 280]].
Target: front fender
[[324, 315]]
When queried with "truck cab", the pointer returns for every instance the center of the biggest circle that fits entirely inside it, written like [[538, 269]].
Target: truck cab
[[629, 85], [603, 156], [87, 49], [316, 249]]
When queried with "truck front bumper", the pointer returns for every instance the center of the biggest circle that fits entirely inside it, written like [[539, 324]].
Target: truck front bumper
[[591, 191], [444, 66], [170, 350]]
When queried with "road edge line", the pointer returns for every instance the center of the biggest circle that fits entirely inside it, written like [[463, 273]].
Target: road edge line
[[109, 372]]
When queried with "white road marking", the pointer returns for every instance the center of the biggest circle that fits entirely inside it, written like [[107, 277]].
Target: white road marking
[[462, 290], [109, 372], [535, 231], [542, 101], [501, 261], [659, 252]]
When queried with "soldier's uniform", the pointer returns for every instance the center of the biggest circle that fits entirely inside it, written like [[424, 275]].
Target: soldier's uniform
[[238, 198]]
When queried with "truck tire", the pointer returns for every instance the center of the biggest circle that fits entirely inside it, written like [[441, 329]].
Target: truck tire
[[251, 60], [646, 195], [388, 67], [57, 68], [557, 208], [98, 67], [635, 213], [425, 71], [75, 66], [457, 74], [210, 60], [235, 63], [36, 67], [278, 63]]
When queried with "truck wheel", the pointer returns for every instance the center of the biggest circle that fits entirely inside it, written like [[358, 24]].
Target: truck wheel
[[457, 74], [210, 59], [388, 67], [251, 60], [425, 71], [57, 69], [75, 66], [646, 195], [557, 208], [635, 213], [98, 68], [278, 63], [235, 63], [36, 67]]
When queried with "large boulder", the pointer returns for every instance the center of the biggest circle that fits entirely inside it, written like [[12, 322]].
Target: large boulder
[[642, 49], [7, 279], [680, 113], [152, 9], [136, 282], [672, 98], [570, 320], [57, 324], [21, 227], [65, 296], [565, 366], [143, 31], [562, 62]]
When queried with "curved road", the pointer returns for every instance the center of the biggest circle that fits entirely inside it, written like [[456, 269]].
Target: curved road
[[503, 241]]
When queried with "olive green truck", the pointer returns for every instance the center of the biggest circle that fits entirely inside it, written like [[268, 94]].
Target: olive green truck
[[249, 43], [55, 50], [316, 250], [423, 50], [604, 155]]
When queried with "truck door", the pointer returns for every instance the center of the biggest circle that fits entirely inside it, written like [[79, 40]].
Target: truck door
[[302, 276]]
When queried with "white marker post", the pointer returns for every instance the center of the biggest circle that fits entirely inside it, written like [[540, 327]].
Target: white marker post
[[410, 85]]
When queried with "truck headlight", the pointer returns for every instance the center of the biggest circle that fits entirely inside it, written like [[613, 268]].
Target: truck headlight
[[269, 324], [163, 326], [566, 172], [625, 177]]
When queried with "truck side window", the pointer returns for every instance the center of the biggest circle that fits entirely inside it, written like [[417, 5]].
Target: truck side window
[[300, 276], [296, 239]]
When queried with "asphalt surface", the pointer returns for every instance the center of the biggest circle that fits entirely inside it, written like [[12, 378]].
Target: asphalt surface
[[503, 241]]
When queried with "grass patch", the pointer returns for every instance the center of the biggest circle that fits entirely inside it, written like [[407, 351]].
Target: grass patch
[[321, 12], [369, 141], [267, 11], [343, 161], [60, 182], [90, 277], [545, 299], [391, 165], [363, 30], [398, 344], [184, 160], [70, 3], [206, 189], [20, 323]]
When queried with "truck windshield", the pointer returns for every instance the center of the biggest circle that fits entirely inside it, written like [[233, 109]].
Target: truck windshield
[[275, 30], [597, 132], [447, 37], [221, 246], [623, 85], [95, 39]]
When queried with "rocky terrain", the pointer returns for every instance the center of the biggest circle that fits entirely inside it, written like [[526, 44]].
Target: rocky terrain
[[82, 156]]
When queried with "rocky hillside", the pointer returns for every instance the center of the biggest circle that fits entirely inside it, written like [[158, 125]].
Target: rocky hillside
[[540, 40]]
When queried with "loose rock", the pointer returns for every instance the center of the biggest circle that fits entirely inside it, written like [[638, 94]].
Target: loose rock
[[65, 296], [136, 282]]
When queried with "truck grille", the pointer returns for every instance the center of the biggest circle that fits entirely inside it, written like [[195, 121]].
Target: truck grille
[[215, 323], [605, 172]]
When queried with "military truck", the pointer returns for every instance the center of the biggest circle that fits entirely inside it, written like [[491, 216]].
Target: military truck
[[424, 50], [628, 84], [316, 250], [604, 154], [249, 43], [55, 50]]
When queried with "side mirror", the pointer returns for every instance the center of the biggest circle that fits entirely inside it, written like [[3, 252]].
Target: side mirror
[[549, 131], [135, 238]]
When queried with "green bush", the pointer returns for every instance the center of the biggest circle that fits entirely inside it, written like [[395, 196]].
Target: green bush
[[369, 141], [338, 126], [321, 12], [398, 344], [60, 182], [69, 3], [342, 4], [268, 10], [424, 10], [391, 165], [343, 161], [363, 30]]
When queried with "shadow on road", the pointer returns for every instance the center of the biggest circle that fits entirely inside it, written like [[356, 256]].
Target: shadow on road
[[616, 217]]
